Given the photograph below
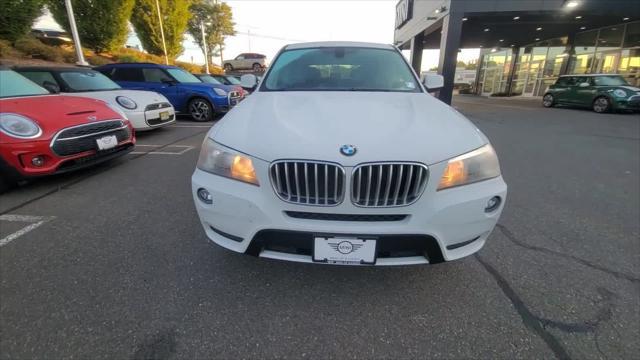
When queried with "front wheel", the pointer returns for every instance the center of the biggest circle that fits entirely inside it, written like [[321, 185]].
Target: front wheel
[[200, 110], [601, 105], [548, 100], [257, 67]]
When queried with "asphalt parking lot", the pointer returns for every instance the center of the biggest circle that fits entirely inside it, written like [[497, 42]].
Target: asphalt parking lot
[[112, 262]]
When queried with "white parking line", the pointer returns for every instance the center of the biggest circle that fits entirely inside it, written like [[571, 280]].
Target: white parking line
[[192, 126], [36, 222], [184, 149]]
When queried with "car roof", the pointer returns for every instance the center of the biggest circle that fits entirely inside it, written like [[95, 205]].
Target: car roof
[[57, 68], [338, 44], [572, 75], [136, 64]]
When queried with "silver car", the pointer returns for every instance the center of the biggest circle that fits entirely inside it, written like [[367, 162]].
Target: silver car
[[246, 61]]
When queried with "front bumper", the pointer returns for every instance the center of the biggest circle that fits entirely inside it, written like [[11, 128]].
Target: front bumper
[[17, 157], [441, 226], [633, 103], [151, 119]]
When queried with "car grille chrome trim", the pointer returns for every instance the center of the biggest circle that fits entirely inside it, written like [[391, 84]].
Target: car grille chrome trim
[[80, 138], [308, 182], [156, 106], [388, 184]]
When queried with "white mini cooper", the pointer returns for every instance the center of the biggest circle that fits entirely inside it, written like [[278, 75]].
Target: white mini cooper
[[145, 109], [341, 157]]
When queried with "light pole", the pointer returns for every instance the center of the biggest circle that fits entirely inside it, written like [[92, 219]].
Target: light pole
[[74, 33], [204, 47], [164, 45]]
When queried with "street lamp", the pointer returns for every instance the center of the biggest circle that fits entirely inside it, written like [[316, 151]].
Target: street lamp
[[204, 48], [164, 45], [74, 34]]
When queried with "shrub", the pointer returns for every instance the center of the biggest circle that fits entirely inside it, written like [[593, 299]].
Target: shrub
[[8, 51], [97, 60], [34, 48], [17, 17], [195, 69]]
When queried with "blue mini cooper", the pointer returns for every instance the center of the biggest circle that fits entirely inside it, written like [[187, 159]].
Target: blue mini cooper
[[187, 93]]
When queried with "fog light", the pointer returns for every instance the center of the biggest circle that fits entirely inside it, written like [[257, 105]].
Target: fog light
[[205, 196], [37, 161], [493, 204]]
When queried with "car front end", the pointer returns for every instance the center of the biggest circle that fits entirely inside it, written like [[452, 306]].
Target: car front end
[[625, 98], [48, 135], [383, 174]]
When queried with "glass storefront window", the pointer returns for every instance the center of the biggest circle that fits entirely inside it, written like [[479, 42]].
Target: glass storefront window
[[629, 66], [610, 38], [632, 35], [585, 48]]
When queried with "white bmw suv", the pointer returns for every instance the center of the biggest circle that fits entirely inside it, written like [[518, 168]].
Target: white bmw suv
[[342, 157]]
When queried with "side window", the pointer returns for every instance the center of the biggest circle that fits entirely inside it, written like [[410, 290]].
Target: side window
[[155, 75], [581, 79], [571, 81], [39, 77], [563, 81], [127, 74], [240, 57]]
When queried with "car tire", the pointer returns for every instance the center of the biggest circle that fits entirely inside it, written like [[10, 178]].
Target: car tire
[[228, 67], [257, 67], [548, 100], [200, 110], [601, 105]]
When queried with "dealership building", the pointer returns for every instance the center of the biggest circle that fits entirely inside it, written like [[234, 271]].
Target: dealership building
[[525, 44]]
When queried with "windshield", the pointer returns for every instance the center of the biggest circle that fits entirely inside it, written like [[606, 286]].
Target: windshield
[[183, 76], [210, 79], [14, 84], [609, 80], [232, 80], [87, 81], [340, 69]]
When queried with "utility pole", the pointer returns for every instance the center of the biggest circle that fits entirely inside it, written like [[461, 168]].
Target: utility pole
[[164, 45], [204, 47], [249, 38], [74, 34]]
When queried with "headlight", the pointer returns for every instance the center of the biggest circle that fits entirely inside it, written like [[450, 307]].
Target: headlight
[[126, 103], [221, 162], [220, 92], [19, 126], [477, 165], [118, 111], [619, 93]]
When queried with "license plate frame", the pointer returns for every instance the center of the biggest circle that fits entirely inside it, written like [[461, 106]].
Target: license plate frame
[[331, 248], [107, 142], [164, 115]]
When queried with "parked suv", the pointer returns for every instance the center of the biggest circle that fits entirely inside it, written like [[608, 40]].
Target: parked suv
[[185, 92], [341, 157], [246, 61]]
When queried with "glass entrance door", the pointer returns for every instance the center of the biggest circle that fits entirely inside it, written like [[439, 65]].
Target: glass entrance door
[[606, 62], [532, 76]]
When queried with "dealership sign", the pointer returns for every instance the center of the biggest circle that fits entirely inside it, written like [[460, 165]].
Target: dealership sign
[[404, 12]]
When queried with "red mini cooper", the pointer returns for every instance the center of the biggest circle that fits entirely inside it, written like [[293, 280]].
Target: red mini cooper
[[42, 134]]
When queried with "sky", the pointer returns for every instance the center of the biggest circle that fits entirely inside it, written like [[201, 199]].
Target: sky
[[264, 26]]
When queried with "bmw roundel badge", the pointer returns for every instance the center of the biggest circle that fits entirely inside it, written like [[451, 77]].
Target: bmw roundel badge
[[348, 150]]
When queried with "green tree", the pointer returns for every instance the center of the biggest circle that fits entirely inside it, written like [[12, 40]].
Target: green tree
[[218, 20], [175, 16], [17, 17], [102, 25]]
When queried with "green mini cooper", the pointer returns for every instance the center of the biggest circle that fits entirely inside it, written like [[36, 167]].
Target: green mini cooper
[[602, 93]]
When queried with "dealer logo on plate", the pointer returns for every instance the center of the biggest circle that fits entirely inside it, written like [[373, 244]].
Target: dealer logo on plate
[[345, 247]]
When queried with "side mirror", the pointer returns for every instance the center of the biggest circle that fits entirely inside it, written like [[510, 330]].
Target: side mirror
[[51, 87], [248, 81], [433, 82], [584, 84]]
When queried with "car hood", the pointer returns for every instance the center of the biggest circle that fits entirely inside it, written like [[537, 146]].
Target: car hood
[[141, 98], [55, 112], [314, 125]]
